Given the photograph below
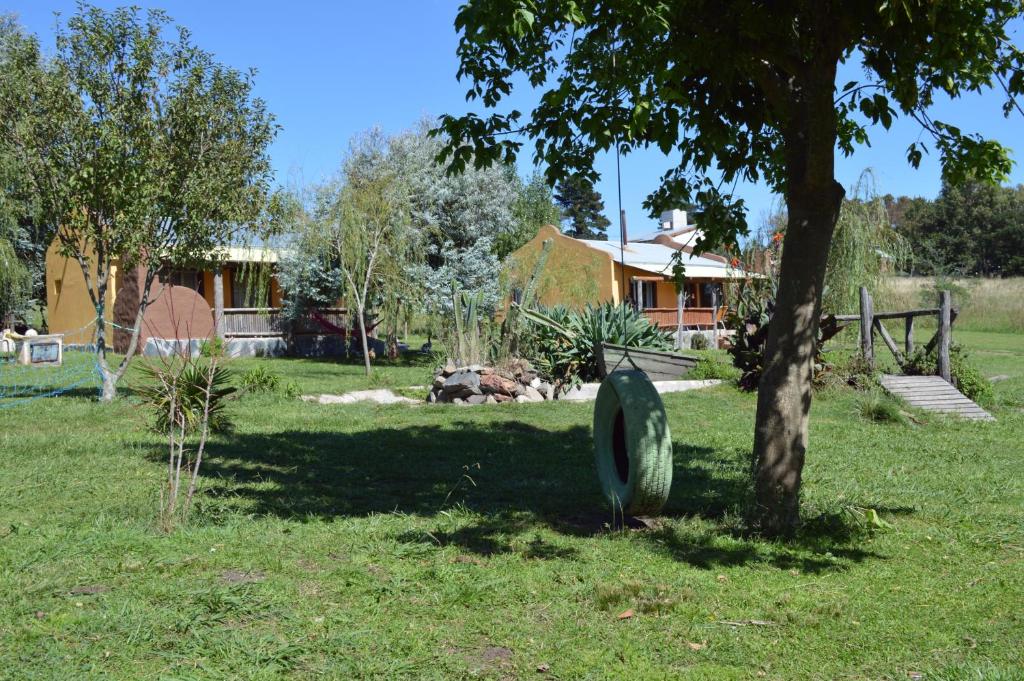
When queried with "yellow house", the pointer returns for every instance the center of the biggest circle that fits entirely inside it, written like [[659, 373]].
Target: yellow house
[[185, 303], [582, 271]]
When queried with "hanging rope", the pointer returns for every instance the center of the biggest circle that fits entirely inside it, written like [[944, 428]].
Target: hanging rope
[[622, 215]]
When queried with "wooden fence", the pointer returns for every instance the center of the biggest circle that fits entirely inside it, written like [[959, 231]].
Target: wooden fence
[[693, 317], [872, 322], [247, 322]]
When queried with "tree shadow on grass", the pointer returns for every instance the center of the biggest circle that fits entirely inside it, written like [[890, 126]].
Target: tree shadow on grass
[[514, 476]]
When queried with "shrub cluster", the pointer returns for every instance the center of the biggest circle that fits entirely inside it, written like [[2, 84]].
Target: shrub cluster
[[966, 377], [711, 368], [564, 347]]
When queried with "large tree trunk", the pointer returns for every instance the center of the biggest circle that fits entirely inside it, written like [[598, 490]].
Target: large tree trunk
[[813, 199]]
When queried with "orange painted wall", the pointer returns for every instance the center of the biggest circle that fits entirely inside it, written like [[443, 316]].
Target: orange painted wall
[[574, 275], [69, 308]]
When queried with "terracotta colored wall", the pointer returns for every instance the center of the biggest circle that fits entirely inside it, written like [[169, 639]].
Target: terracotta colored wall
[[666, 293], [208, 288], [177, 312], [275, 292], [276, 296], [228, 282]]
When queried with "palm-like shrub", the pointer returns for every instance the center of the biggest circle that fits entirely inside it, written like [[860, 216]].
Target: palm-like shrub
[[565, 343], [178, 395]]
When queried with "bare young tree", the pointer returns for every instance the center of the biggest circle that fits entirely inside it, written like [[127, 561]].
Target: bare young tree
[[187, 394], [361, 226]]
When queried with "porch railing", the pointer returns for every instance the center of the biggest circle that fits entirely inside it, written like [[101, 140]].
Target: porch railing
[[242, 322], [693, 317]]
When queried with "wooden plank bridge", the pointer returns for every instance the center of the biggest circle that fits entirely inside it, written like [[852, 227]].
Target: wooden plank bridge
[[933, 393], [930, 393]]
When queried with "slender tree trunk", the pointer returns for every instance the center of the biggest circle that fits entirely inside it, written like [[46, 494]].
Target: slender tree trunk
[[813, 199], [110, 376], [362, 337]]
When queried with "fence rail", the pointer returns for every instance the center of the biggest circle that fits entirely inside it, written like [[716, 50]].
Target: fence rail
[[242, 322], [668, 317], [871, 323]]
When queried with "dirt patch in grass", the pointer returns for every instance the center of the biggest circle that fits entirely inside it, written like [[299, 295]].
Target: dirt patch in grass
[[487, 659], [242, 576], [89, 590]]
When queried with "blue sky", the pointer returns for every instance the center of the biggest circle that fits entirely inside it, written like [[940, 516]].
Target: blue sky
[[329, 70]]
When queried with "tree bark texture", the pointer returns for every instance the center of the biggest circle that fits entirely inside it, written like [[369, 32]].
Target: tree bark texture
[[362, 337], [813, 199]]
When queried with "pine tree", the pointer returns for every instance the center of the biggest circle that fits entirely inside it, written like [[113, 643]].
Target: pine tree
[[582, 208]]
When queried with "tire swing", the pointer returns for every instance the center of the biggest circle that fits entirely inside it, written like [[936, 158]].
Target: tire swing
[[632, 444]]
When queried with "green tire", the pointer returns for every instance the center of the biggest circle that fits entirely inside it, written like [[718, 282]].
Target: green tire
[[632, 444]]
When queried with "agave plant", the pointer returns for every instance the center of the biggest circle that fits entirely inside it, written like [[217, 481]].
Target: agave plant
[[565, 345], [472, 338]]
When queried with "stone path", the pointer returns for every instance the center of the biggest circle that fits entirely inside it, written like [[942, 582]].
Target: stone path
[[379, 396], [588, 391]]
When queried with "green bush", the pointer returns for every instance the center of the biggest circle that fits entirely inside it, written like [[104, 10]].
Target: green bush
[[755, 305], [852, 370], [698, 341], [564, 345], [291, 389], [710, 368], [260, 380], [212, 347], [966, 377], [877, 406]]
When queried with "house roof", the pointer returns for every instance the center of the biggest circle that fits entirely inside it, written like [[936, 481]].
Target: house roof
[[251, 254], [657, 259], [685, 236]]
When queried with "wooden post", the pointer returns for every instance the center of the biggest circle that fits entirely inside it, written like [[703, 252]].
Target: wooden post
[[866, 319], [889, 342], [679, 320], [908, 336], [714, 319], [945, 328], [218, 302]]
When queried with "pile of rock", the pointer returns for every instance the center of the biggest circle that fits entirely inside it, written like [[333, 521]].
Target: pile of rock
[[476, 384]]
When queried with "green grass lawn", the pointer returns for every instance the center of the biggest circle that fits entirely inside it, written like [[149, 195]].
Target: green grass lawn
[[364, 541]]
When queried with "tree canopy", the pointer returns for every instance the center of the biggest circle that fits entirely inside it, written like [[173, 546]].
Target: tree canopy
[[582, 209], [709, 84], [138, 145], [463, 225], [738, 90], [973, 228]]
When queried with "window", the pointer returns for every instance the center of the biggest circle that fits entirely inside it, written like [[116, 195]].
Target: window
[[187, 278], [643, 294], [247, 288]]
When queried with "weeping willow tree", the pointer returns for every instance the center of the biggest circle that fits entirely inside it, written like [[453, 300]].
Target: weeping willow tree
[[865, 249], [15, 284]]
